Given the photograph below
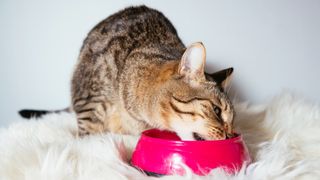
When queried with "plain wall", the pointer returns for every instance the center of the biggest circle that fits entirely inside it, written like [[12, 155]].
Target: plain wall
[[273, 45]]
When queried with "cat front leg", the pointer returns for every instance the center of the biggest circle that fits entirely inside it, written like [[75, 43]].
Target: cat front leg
[[91, 114]]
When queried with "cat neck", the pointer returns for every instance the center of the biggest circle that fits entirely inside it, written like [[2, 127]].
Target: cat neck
[[151, 88]]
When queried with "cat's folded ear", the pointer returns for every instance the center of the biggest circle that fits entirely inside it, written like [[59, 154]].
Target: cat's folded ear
[[193, 62], [222, 78]]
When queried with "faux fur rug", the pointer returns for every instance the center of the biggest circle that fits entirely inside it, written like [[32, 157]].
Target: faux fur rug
[[283, 138]]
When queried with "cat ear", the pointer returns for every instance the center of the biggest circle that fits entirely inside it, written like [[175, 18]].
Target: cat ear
[[222, 78], [193, 62]]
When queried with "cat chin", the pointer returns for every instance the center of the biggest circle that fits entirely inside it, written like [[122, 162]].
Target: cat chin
[[186, 128], [185, 136]]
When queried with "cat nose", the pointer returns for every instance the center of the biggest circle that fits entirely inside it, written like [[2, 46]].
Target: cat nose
[[228, 129]]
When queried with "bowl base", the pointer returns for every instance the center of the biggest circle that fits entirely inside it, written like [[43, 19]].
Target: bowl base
[[148, 173], [153, 174]]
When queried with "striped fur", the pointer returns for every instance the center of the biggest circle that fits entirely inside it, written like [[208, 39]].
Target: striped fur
[[135, 73]]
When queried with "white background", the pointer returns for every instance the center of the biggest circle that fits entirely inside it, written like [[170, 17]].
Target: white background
[[273, 45]]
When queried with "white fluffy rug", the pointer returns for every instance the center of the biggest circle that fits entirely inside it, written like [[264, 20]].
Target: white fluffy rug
[[283, 138]]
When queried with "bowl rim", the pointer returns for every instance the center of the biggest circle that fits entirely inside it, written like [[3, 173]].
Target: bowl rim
[[145, 136]]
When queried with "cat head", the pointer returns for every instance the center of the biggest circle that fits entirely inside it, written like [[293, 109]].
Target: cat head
[[197, 106]]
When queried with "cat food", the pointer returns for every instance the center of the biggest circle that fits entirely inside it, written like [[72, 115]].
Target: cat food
[[163, 153]]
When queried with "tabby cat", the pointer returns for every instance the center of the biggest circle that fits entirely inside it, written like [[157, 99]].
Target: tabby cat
[[135, 73]]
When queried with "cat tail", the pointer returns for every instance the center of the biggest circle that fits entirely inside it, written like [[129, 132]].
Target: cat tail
[[33, 113]]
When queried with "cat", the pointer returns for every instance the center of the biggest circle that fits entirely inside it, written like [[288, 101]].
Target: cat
[[134, 73]]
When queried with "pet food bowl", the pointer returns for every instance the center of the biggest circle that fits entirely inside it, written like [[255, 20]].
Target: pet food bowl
[[164, 153]]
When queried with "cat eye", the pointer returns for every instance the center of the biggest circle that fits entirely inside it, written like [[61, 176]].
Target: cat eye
[[217, 110]]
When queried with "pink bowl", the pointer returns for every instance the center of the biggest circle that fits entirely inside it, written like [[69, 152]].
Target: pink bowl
[[163, 153]]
